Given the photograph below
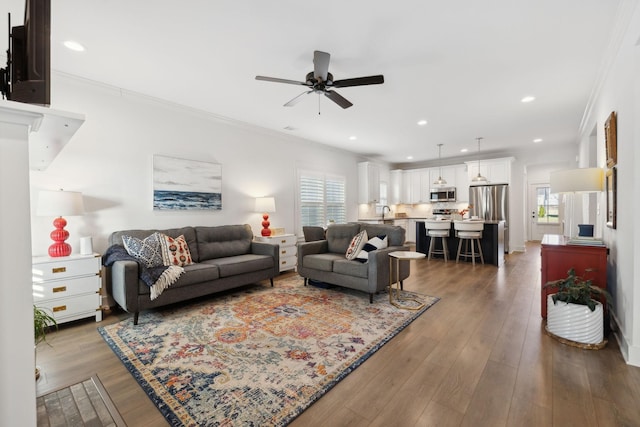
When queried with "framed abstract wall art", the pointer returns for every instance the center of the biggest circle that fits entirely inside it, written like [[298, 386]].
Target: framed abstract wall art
[[611, 139], [180, 184]]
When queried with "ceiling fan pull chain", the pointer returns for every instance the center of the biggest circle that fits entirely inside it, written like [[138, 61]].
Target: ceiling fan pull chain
[[318, 104]]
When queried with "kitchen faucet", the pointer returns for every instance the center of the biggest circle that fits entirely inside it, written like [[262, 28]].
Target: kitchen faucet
[[383, 208]]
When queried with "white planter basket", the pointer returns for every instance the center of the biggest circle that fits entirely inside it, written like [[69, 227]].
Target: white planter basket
[[575, 322]]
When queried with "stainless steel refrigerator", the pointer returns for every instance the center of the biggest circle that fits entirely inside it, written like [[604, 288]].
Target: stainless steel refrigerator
[[491, 203]]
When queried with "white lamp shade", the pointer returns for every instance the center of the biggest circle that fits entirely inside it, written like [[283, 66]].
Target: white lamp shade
[[583, 180], [60, 203], [265, 204]]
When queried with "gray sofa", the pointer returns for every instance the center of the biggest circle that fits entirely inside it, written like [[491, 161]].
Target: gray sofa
[[325, 260], [224, 257]]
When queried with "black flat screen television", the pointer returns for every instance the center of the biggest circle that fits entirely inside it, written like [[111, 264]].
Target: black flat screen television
[[27, 77]]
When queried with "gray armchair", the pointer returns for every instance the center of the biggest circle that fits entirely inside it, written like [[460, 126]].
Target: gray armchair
[[325, 260]]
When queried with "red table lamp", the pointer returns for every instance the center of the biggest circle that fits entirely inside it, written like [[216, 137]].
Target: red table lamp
[[59, 203], [265, 205]]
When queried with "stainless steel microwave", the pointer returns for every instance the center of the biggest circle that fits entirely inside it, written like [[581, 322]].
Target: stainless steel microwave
[[444, 194]]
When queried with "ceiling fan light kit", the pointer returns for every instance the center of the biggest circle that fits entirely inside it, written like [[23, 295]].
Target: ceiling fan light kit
[[320, 81]]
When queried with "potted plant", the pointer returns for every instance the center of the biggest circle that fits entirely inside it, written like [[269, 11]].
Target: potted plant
[[42, 321], [575, 313]]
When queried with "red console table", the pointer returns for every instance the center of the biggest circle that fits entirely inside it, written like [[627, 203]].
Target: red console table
[[589, 262]]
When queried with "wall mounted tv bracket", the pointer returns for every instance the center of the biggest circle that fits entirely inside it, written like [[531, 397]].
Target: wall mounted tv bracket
[[5, 73]]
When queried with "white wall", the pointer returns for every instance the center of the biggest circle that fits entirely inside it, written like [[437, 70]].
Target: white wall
[[620, 91], [110, 161]]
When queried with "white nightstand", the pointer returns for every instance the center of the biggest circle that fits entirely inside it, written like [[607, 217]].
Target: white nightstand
[[68, 286], [288, 250]]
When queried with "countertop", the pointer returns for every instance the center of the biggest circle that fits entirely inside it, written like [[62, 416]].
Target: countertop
[[486, 221], [391, 218]]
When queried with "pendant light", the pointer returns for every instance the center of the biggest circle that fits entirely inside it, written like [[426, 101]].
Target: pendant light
[[479, 178], [440, 180]]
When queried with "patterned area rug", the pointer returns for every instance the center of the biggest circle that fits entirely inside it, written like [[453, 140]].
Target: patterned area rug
[[255, 357]]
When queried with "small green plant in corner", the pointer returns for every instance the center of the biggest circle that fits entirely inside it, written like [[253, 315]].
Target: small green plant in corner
[[42, 321], [574, 289]]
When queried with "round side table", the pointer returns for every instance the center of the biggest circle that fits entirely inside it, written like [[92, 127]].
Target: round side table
[[402, 256]]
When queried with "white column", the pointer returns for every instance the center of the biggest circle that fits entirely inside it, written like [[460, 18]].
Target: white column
[[17, 359], [30, 137]]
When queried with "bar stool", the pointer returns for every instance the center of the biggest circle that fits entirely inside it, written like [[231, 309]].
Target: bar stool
[[438, 229], [470, 232]]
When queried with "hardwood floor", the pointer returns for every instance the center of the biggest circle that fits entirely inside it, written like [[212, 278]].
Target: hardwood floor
[[479, 357]]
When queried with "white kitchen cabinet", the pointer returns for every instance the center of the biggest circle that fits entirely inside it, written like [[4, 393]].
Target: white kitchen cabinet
[[411, 230], [288, 249], [448, 174], [415, 186], [395, 195], [68, 286], [462, 183], [497, 171], [368, 183]]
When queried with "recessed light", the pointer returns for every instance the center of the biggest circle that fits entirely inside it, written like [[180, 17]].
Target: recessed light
[[353, 138], [409, 157], [70, 44], [422, 122], [464, 150], [528, 98], [537, 140]]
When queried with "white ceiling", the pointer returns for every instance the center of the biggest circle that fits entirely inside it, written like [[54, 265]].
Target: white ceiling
[[461, 65]]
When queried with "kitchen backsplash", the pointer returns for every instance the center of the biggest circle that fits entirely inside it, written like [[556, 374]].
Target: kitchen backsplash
[[423, 210]]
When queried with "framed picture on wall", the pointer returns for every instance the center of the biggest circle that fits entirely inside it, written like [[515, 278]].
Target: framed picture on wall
[[611, 184], [610, 130], [180, 184]]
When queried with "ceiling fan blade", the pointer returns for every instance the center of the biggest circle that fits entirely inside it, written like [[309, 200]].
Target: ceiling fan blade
[[321, 65], [359, 81], [337, 98], [277, 80], [297, 99]]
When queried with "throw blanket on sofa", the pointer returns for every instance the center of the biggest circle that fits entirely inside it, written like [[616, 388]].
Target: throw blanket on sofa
[[157, 278]]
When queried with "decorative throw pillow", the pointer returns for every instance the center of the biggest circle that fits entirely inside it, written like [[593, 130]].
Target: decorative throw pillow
[[377, 242], [175, 251], [356, 244], [146, 250]]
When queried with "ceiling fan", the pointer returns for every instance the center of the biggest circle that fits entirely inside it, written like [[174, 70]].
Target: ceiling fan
[[320, 81]]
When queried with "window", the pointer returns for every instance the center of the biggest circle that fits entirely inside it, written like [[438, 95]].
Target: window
[[322, 199], [548, 206]]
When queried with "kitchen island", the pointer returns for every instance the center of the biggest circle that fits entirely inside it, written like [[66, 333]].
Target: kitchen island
[[492, 242]]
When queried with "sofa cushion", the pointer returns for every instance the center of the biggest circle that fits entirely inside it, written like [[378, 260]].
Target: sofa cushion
[[339, 236], [223, 241], [175, 251], [350, 268], [376, 242], [395, 234], [356, 244], [189, 234], [148, 250], [322, 262], [239, 264], [194, 273]]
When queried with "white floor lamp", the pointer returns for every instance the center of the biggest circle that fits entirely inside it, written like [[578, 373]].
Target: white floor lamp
[[572, 182]]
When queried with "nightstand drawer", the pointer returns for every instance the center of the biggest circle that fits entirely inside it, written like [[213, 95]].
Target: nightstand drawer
[[74, 307], [288, 240], [65, 288], [288, 251], [63, 268], [288, 262]]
